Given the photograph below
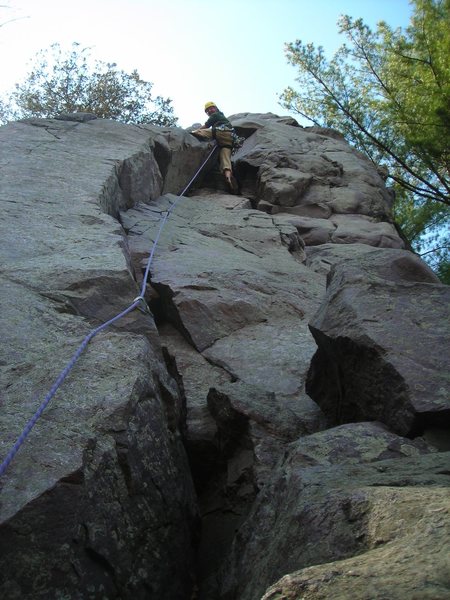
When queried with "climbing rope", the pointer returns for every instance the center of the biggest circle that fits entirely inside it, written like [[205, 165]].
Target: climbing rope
[[136, 302]]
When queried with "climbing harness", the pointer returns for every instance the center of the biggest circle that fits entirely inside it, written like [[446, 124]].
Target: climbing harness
[[234, 141], [225, 135], [138, 302], [237, 142]]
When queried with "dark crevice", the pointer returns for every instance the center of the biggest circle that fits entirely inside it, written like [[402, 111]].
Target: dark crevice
[[245, 132], [174, 406], [247, 177], [221, 365], [434, 428], [99, 560], [74, 478], [439, 419], [162, 155], [352, 383], [172, 369], [204, 461], [164, 310], [226, 489], [122, 451]]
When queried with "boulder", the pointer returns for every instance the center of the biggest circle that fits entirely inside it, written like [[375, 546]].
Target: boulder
[[360, 229], [283, 186], [380, 334], [323, 257], [302, 168], [314, 232], [413, 565], [335, 495]]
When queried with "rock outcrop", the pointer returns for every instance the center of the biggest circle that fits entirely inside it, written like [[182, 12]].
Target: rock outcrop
[[273, 422]]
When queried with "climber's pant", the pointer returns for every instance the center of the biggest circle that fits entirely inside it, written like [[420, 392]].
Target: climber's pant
[[222, 137]]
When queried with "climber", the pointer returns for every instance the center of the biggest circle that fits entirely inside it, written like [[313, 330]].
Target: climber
[[222, 131]]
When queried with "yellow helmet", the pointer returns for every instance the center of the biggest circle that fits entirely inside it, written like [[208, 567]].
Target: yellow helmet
[[209, 104]]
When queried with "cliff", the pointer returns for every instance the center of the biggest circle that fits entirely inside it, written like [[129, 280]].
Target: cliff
[[271, 422]]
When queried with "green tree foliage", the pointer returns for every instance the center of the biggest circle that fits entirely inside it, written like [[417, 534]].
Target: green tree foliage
[[388, 92], [65, 81]]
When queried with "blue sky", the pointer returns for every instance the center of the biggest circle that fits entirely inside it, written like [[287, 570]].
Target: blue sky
[[230, 52]]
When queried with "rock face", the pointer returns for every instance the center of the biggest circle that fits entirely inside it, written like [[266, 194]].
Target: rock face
[[391, 372], [273, 422]]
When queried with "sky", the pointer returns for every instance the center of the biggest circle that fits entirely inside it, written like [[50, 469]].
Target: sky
[[194, 51]]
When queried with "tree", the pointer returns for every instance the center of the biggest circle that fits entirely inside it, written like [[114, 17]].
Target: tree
[[69, 81], [388, 92]]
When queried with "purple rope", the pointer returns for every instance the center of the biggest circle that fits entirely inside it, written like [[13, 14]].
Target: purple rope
[[163, 222], [31, 423]]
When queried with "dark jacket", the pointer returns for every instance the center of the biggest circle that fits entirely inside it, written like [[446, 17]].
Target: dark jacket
[[216, 119]]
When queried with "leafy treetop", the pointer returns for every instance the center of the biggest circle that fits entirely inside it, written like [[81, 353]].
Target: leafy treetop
[[64, 81]]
